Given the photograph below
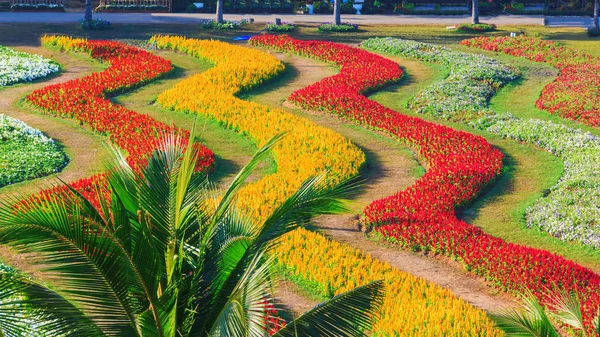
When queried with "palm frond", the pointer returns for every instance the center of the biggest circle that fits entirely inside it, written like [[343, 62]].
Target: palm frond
[[85, 265], [242, 176], [531, 321], [349, 314], [28, 308], [567, 309], [245, 311]]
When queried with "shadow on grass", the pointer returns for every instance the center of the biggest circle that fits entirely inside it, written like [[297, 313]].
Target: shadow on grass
[[503, 185]]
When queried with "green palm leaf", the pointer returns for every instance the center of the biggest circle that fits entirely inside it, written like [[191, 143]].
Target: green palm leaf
[[349, 314], [28, 308], [532, 321]]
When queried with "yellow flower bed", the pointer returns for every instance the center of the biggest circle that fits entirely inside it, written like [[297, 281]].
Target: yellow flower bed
[[63, 42], [308, 149], [412, 306]]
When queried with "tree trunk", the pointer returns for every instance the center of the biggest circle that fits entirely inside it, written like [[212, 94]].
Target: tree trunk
[[596, 13], [88, 10], [219, 18], [475, 12], [337, 10]]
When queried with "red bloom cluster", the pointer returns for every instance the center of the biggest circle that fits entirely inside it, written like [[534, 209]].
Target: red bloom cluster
[[83, 99], [422, 217], [575, 93]]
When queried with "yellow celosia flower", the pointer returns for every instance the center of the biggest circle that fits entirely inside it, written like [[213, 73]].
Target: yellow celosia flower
[[412, 307]]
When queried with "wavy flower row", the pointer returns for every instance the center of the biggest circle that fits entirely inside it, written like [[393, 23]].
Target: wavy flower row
[[574, 94], [306, 150], [16, 66], [422, 217], [25, 153], [84, 99], [569, 210], [460, 163]]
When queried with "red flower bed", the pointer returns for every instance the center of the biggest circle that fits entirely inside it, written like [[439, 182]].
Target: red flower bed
[[422, 217], [575, 94], [84, 100]]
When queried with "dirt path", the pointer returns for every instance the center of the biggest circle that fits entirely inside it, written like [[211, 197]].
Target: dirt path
[[86, 151], [391, 168]]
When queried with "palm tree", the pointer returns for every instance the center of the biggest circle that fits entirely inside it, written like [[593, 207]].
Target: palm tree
[[156, 255], [337, 10], [536, 321], [475, 12]]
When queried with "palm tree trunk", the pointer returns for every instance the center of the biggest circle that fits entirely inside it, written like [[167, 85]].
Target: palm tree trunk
[[475, 12], [337, 9], [88, 10], [596, 13], [219, 18]]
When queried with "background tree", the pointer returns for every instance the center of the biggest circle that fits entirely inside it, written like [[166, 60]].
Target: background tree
[[337, 12], [475, 12], [156, 255], [219, 16], [88, 10], [596, 14]]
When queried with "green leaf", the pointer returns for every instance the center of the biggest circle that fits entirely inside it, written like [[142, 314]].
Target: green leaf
[[351, 314]]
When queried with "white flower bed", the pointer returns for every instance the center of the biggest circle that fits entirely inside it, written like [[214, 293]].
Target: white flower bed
[[571, 209], [473, 79], [17, 66], [25, 153]]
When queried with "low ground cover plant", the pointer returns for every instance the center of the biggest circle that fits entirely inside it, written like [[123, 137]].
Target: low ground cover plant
[[343, 27], [283, 27], [26, 153], [212, 24], [422, 217], [568, 211], [477, 27], [307, 148], [16, 66]]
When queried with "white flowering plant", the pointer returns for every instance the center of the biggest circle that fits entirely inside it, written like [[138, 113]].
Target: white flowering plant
[[16, 66], [26, 153], [465, 93]]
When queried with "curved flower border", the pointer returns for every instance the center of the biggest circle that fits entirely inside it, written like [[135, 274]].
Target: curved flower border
[[309, 148], [84, 99], [422, 217]]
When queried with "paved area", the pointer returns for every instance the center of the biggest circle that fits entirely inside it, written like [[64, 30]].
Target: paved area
[[161, 18]]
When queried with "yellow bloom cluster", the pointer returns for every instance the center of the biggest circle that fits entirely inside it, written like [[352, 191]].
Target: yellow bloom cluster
[[63, 42], [412, 306], [307, 149]]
